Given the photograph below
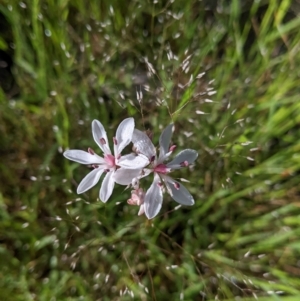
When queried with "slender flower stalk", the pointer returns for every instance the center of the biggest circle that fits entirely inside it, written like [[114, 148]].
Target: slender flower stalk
[[153, 198], [119, 169]]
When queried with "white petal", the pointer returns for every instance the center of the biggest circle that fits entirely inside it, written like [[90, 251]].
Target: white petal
[[90, 180], [146, 172], [153, 198], [180, 194], [125, 176], [107, 187], [187, 155], [83, 157], [124, 135], [100, 136], [142, 210], [143, 144], [164, 142], [133, 161]]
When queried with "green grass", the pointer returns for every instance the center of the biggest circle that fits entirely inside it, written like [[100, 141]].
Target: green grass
[[73, 60]]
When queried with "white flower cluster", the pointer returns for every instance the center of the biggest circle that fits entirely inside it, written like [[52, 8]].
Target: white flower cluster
[[129, 169]]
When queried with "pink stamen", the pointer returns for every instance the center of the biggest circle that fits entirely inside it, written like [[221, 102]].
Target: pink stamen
[[160, 184], [152, 158], [91, 151], [95, 166], [172, 148], [184, 163], [161, 168], [115, 141], [176, 185], [102, 141]]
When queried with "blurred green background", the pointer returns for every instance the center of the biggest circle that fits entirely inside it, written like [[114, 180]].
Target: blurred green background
[[226, 73]]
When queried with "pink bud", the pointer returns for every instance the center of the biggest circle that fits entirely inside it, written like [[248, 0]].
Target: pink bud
[[131, 202]]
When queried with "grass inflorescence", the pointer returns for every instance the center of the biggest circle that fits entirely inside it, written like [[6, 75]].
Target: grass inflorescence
[[226, 74]]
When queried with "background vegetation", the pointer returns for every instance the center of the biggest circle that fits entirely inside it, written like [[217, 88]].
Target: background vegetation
[[64, 63]]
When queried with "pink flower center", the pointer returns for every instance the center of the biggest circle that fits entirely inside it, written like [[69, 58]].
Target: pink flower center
[[110, 161], [161, 168]]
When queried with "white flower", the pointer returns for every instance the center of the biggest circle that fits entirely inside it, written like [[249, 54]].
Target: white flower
[[119, 169], [152, 201]]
